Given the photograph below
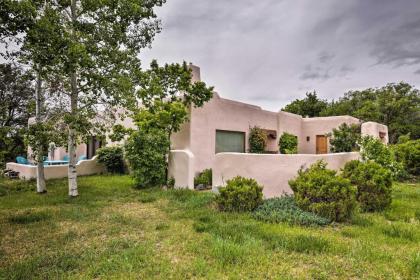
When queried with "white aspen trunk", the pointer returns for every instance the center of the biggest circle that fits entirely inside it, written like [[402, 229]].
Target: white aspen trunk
[[40, 178], [72, 172]]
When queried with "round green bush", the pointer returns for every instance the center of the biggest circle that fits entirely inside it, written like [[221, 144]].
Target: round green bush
[[257, 140], [113, 158], [239, 195], [288, 143], [374, 184], [146, 155], [408, 154], [321, 191]]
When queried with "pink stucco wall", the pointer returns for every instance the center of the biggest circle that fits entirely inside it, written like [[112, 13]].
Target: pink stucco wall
[[271, 171]]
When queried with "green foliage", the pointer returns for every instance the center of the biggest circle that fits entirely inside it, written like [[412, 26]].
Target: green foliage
[[408, 154], [288, 143], [395, 105], [345, 138], [284, 209], [310, 106], [16, 106], [205, 178], [146, 154], [373, 149], [373, 182], [113, 158], [257, 140], [320, 191], [119, 132], [240, 194], [171, 183]]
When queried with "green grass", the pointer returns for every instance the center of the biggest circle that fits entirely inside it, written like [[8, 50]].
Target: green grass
[[113, 231]]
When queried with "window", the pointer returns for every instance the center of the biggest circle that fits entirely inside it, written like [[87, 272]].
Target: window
[[230, 141]]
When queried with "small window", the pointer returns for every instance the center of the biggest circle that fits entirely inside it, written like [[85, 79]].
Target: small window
[[308, 138], [230, 141]]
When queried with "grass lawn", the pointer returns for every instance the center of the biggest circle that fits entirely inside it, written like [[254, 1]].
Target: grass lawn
[[113, 231]]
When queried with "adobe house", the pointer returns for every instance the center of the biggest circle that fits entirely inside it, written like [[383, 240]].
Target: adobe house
[[223, 125], [216, 136]]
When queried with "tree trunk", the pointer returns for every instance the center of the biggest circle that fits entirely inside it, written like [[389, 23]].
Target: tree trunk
[[72, 172], [40, 178]]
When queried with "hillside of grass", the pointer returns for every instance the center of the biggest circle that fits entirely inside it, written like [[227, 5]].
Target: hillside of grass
[[113, 231]]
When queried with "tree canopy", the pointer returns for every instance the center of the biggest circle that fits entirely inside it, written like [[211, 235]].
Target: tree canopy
[[395, 105]]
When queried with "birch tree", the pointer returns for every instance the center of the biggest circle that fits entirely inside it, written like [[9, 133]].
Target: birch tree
[[95, 59]]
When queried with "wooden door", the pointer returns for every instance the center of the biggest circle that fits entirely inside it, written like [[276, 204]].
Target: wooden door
[[321, 144]]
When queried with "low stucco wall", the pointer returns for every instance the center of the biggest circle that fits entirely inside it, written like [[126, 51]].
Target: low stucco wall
[[181, 168], [271, 171], [84, 167]]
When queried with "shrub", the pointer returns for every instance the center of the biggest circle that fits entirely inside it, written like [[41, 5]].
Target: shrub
[[146, 154], [240, 194], [320, 191], [345, 138], [288, 143], [257, 140], [373, 182], [112, 158], [373, 149], [284, 209], [408, 154], [205, 178]]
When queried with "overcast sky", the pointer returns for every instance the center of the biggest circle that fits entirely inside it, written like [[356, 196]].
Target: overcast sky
[[269, 52]]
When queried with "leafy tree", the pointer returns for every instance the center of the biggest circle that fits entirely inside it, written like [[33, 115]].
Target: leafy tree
[[345, 138], [310, 106], [166, 93], [288, 143], [16, 106], [95, 47], [257, 140], [395, 105]]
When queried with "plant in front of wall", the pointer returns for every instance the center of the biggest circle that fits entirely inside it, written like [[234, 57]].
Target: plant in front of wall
[[257, 140], [321, 191], [344, 138], [288, 143], [204, 178], [373, 182], [113, 158], [240, 195], [373, 149]]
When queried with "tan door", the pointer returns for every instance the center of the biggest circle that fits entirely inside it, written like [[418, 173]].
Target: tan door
[[321, 144]]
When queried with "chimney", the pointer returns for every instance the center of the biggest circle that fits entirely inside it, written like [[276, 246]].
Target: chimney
[[195, 73]]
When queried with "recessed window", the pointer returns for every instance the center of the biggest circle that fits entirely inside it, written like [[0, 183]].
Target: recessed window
[[230, 141], [308, 138]]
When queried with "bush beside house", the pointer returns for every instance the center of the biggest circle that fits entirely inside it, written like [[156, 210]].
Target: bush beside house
[[239, 195], [373, 182], [113, 158], [204, 178], [288, 143], [257, 140], [321, 191], [146, 154]]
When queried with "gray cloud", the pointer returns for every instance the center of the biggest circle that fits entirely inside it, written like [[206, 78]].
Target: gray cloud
[[270, 52]]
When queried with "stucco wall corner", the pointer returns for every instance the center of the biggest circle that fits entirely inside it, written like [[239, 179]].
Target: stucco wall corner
[[181, 168]]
